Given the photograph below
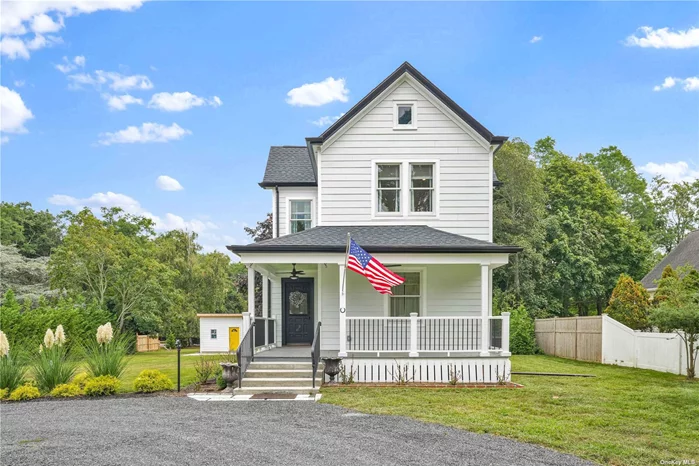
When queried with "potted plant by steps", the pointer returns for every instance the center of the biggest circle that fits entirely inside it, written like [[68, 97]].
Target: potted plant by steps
[[331, 367], [230, 374]]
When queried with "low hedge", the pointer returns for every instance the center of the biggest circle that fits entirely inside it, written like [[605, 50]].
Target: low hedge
[[102, 386], [66, 390], [151, 380], [25, 392]]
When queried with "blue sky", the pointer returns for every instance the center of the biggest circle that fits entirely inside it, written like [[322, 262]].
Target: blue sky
[[584, 82]]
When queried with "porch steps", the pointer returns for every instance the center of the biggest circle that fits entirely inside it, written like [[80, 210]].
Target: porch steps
[[279, 377]]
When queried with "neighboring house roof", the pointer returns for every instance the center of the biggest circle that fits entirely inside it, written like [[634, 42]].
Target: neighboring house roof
[[687, 252], [385, 238], [289, 166]]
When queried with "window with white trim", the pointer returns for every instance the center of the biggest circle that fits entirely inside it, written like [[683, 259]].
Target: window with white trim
[[405, 115], [388, 187], [406, 297], [300, 217], [213, 334], [422, 187]]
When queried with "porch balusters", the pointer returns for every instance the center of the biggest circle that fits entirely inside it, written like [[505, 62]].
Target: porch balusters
[[413, 335]]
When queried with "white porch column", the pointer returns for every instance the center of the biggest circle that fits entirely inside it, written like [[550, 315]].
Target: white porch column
[[506, 334], [246, 324], [343, 313], [251, 292], [265, 306], [413, 336], [485, 308]]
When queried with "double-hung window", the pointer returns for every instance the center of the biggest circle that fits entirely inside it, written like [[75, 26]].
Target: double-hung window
[[405, 188], [213, 334], [406, 297], [300, 215], [388, 187], [421, 187]]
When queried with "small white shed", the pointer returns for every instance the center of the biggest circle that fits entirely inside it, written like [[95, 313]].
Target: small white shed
[[219, 333]]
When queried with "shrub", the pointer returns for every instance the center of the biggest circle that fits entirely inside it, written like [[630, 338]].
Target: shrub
[[53, 365], [25, 392], [66, 390], [151, 380], [81, 379], [12, 369], [106, 354], [630, 303], [204, 369], [170, 341], [220, 383], [522, 337], [3, 393], [102, 386]]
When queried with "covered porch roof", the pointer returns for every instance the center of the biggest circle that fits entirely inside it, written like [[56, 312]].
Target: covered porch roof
[[375, 239]]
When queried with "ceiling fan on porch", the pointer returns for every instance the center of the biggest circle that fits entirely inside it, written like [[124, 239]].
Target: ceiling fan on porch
[[294, 274]]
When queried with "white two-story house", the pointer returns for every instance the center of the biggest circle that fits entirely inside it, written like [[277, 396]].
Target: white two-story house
[[409, 175]]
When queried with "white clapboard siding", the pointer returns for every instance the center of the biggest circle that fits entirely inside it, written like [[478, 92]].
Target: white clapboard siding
[[465, 179], [286, 193]]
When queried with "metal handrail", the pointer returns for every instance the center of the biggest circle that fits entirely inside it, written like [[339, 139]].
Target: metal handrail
[[315, 353], [245, 353]]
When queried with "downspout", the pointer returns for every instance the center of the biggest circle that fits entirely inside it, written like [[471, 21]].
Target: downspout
[[276, 213]]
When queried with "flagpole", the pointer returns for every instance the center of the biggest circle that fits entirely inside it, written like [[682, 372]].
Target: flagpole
[[343, 303]]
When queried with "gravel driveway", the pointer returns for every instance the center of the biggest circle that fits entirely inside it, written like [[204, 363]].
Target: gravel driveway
[[179, 431]]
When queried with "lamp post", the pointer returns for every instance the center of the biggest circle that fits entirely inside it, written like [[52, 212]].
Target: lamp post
[[178, 345]]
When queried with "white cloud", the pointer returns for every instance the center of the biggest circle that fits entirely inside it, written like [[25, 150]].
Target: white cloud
[[97, 200], [535, 39], [326, 120], [13, 113], [673, 172], [21, 18], [114, 80], [19, 83], [316, 94], [664, 38], [120, 102], [67, 66], [147, 132], [688, 84], [167, 183], [180, 101]]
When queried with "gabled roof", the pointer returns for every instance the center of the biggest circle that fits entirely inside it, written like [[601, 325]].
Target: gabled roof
[[384, 238], [687, 252], [295, 165], [445, 99], [289, 166]]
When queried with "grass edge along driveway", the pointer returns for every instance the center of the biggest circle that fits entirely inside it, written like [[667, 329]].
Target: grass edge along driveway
[[621, 416]]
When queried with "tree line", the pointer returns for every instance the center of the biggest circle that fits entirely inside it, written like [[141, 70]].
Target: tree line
[[112, 265]]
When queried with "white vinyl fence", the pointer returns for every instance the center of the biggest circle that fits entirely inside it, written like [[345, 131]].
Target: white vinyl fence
[[623, 346]]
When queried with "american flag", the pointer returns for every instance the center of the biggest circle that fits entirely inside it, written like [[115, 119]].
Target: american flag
[[378, 275]]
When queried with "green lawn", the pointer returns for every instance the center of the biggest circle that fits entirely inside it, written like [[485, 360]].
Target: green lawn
[[165, 361], [621, 416]]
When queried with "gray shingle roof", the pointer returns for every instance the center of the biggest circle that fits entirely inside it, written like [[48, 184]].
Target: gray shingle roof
[[687, 252], [289, 165], [390, 238]]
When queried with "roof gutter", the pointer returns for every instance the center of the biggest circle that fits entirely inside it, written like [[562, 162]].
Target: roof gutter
[[276, 211], [238, 249]]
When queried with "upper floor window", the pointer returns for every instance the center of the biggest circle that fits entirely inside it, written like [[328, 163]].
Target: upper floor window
[[405, 115], [388, 187], [300, 216], [421, 187], [406, 297]]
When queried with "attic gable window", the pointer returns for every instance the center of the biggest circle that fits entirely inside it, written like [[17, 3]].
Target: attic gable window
[[405, 115]]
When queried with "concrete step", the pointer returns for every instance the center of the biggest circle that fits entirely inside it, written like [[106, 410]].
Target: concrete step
[[297, 390], [279, 382], [281, 365], [280, 373]]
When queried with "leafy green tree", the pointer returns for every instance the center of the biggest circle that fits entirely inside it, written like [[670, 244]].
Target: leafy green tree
[[27, 277], [677, 206], [522, 336], [35, 233], [518, 213], [679, 313], [262, 230], [667, 279], [630, 303], [621, 175]]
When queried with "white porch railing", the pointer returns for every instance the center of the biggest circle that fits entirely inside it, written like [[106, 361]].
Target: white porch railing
[[415, 335]]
